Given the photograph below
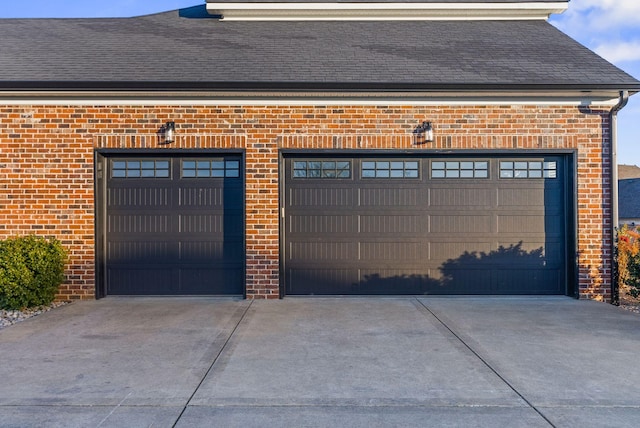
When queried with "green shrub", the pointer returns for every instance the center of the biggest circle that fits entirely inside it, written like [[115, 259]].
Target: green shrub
[[31, 271]]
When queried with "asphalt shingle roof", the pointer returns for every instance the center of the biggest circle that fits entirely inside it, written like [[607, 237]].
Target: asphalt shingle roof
[[628, 171], [186, 50]]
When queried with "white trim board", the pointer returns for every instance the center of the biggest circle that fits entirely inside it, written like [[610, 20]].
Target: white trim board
[[311, 101], [384, 11]]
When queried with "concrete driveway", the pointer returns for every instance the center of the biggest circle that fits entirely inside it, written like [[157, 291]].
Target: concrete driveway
[[320, 362]]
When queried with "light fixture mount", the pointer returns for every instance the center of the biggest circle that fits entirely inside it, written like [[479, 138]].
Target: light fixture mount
[[423, 133], [169, 132]]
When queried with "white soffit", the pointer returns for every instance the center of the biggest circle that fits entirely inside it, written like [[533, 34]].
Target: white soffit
[[384, 11]]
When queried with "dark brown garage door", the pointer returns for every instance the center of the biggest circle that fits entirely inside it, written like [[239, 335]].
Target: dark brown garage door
[[174, 225], [425, 225]]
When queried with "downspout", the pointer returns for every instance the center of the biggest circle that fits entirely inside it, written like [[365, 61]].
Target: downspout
[[622, 102]]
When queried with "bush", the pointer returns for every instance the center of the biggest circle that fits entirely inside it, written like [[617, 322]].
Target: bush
[[628, 258], [31, 271]]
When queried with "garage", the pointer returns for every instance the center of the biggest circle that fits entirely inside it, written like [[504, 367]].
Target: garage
[[407, 224], [171, 224]]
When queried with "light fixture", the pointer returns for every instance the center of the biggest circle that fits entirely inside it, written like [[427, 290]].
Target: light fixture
[[428, 132], [169, 132], [423, 133]]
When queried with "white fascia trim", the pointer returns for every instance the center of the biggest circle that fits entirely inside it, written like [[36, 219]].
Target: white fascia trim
[[385, 11], [320, 100]]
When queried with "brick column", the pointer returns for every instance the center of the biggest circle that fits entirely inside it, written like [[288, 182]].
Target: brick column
[[262, 221]]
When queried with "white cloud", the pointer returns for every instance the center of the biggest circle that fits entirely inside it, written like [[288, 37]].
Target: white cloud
[[609, 27], [612, 29], [619, 52], [607, 5], [602, 15]]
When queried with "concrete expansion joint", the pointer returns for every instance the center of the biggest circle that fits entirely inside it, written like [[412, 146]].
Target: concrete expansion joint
[[484, 361], [357, 406], [114, 409], [215, 359]]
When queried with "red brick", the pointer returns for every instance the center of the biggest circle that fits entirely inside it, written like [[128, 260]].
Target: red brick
[[46, 154]]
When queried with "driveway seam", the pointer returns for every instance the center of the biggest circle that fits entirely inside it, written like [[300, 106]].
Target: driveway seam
[[113, 410], [215, 359], [486, 363]]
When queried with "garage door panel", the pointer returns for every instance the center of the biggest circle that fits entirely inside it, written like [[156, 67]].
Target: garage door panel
[[198, 196], [468, 279], [548, 253], [139, 281], [385, 197], [553, 253], [312, 197], [211, 252], [171, 281], [460, 281], [201, 223], [199, 280], [529, 281], [393, 281], [322, 223], [197, 252], [322, 281], [395, 251], [454, 250], [531, 224], [393, 223], [320, 252], [138, 251], [473, 197], [456, 224], [149, 198], [521, 198], [138, 223]]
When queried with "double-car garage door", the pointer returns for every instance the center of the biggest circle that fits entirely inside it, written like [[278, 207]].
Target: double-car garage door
[[425, 225], [370, 224]]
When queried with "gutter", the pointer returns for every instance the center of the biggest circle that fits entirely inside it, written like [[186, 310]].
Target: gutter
[[587, 90], [382, 10], [613, 116]]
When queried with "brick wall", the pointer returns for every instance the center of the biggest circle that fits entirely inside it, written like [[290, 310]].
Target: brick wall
[[46, 165]]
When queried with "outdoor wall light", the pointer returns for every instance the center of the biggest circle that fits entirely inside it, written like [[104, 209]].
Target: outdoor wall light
[[169, 132], [423, 133]]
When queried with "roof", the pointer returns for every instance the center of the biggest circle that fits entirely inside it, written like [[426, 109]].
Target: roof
[[628, 171], [189, 50], [628, 200]]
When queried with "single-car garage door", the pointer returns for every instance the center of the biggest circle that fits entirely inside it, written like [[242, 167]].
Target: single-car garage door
[[173, 225], [425, 225]]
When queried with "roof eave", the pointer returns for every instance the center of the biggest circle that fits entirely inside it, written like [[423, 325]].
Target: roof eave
[[226, 86], [304, 92], [265, 11]]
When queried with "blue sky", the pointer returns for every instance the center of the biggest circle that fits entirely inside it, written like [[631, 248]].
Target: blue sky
[[609, 27]]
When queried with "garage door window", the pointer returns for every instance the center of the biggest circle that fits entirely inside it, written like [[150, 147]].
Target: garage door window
[[210, 168], [390, 169], [460, 169], [140, 169], [322, 169], [528, 169]]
